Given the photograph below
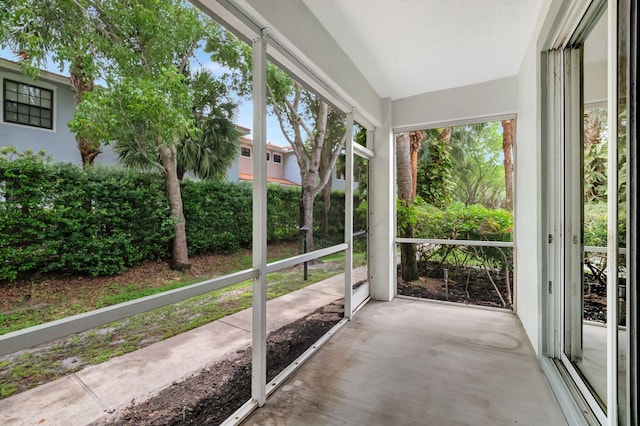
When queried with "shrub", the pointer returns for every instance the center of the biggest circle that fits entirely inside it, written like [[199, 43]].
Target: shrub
[[475, 222], [58, 218]]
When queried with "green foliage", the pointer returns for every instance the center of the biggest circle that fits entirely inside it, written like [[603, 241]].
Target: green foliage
[[475, 222], [406, 217], [479, 173], [218, 216], [435, 168], [142, 111], [459, 222], [595, 224], [283, 205], [55, 218]]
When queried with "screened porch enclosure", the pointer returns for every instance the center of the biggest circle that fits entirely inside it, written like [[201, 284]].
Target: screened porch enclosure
[[393, 67]]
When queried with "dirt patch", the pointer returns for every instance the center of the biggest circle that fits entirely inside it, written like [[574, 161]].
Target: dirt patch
[[220, 389], [38, 291], [468, 285]]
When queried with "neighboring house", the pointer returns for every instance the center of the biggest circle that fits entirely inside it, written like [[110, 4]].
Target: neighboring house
[[282, 166], [34, 114]]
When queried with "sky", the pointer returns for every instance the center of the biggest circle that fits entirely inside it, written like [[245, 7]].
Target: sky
[[244, 113]]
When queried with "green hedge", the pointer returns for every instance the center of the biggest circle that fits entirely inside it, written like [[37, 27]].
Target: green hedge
[[56, 218], [460, 222]]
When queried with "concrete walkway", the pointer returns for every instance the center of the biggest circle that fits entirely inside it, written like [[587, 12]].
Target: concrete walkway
[[96, 391]]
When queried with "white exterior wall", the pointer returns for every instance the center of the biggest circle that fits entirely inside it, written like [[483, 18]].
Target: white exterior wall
[[59, 143], [291, 168], [382, 265], [596, 91], [528, 204], [529, 199], [468, 103]]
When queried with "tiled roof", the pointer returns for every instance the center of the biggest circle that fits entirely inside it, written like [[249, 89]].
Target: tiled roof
[[248, 177]]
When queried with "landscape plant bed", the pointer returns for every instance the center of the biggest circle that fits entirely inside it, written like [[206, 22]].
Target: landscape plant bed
[[220, 389], [26, 303], [466, 284], [479, 290]]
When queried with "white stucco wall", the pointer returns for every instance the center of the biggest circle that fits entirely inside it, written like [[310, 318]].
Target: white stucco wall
[[595, 77], [291, 168], [382, 265], [468, 103], [529, 203], [527, 208], [59, 143]]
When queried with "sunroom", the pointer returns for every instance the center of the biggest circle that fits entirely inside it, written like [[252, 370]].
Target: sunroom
[[402, 66]]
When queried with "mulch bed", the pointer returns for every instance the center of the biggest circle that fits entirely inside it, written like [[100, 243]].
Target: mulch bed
[[468, 285], [214, 394]]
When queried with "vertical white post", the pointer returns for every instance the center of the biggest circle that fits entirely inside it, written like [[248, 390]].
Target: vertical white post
[[259, 320], [612, 214], [348, 219], [382, 204]]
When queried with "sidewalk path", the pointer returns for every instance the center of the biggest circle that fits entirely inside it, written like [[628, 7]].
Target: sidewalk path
[[92, 393]]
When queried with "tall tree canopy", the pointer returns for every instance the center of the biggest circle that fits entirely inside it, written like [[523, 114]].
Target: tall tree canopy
[[149, 107], [57, 29], [314, 130], [479, 173]]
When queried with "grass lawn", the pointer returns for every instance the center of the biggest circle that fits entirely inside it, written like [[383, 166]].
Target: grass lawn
[[24, 304]]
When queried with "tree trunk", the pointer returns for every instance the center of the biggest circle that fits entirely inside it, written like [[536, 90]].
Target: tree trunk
[[507, 147], [403, 159], [408, 262], [81, 83], [325, 167], [415, 141], [306, 199], [179, 253], [326, 210]]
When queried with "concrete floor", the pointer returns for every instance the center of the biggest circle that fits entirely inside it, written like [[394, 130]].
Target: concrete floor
[[418, 363]]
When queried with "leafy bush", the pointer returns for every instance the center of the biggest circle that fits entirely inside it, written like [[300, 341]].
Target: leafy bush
[[460, 222], [58, 218]]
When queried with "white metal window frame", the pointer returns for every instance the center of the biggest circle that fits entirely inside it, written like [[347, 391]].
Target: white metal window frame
[[563, 82], [506, 244], [264, 46]]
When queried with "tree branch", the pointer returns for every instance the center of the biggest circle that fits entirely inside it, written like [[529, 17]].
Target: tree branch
[[280, 117]]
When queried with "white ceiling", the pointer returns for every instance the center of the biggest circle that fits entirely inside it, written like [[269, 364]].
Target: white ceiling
[[409, 47]]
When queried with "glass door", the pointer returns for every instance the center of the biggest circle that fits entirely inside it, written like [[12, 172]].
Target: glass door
[[590, 208]]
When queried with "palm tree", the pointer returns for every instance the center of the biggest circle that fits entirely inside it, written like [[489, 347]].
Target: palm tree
[[409, 267], [415, 142], [210, 153], [507, 147], [207, 154]]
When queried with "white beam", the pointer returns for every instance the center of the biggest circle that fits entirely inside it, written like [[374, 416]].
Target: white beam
[[612, 215], [382, 211], [348, 220], [259, 323]]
